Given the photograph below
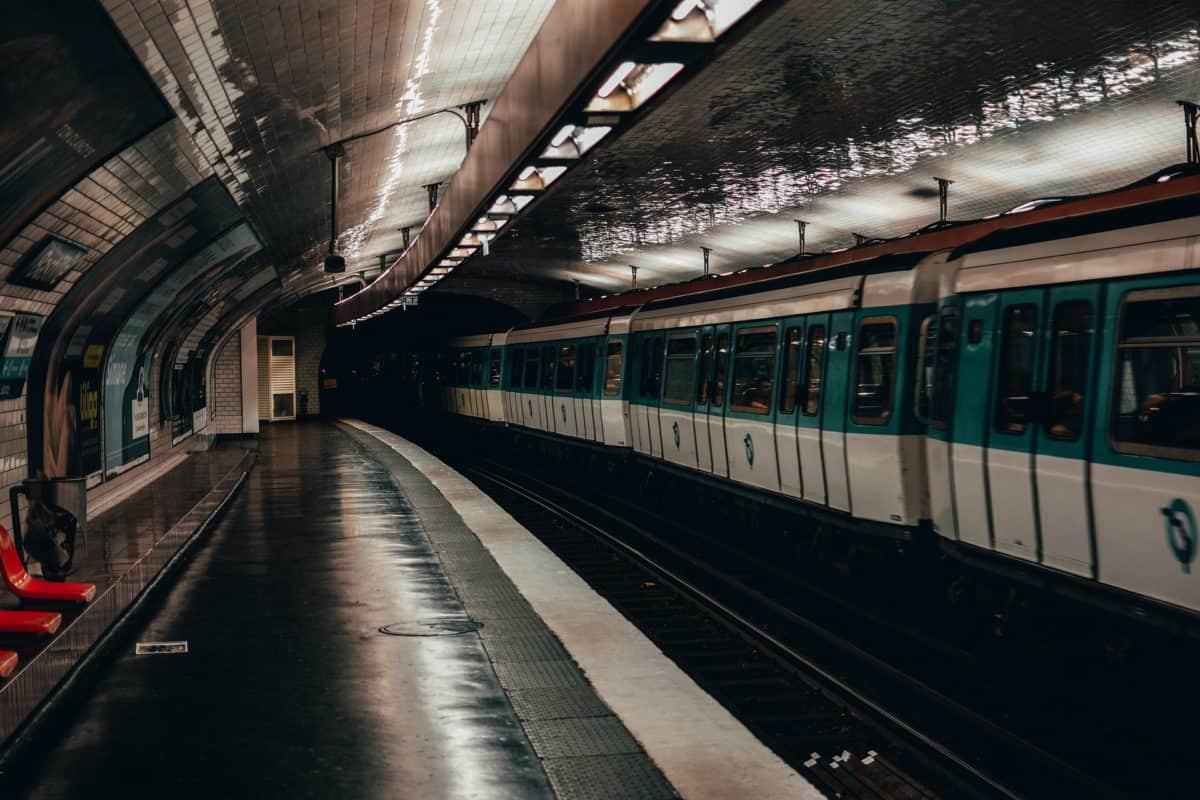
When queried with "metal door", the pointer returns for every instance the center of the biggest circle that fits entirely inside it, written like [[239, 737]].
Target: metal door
[[1013, 425]]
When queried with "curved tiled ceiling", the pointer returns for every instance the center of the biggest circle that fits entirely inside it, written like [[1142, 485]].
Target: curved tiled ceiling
[[264, 86], [840, 114]]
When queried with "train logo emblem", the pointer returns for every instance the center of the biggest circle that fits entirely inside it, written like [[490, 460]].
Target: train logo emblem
[[564, 412], [675, 430], [749, 441], [1181, 532]]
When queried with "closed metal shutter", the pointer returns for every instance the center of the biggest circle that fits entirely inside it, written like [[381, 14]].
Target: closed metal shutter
[[264, 378]]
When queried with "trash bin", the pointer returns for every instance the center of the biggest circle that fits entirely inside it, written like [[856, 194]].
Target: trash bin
[[65, 499]]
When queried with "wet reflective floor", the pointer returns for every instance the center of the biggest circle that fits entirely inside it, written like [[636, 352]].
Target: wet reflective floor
[[288, 688]]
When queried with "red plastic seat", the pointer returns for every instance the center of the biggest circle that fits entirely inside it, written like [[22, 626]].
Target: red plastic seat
[[29, 621], [8, 663], [27, 587]]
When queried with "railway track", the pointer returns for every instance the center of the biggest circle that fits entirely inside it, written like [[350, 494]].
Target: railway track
[[855, 725]]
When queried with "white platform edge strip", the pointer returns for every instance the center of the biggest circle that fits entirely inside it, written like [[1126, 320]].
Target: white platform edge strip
[[700, 747]]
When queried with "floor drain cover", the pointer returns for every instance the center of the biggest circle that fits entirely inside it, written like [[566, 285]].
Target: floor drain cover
[[436, 627]]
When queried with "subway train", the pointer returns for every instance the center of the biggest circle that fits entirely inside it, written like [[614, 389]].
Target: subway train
[[1025, 389]]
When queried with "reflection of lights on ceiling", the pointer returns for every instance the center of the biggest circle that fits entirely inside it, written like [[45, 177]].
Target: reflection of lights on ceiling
[[915, 140], [626, 89], [411, 103]]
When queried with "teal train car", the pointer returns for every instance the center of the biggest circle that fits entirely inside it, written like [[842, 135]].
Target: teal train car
[[1024, 388]]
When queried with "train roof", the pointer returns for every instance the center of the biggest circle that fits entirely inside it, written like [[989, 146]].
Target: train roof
[[890, 262], [1099, 222]]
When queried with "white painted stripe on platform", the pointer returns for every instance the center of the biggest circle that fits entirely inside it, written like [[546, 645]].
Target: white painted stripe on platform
[[700, 747]]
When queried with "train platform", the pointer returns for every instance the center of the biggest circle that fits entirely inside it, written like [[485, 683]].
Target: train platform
[[363, 622]]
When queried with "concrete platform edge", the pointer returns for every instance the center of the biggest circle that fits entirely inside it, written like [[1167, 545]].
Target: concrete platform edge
[[704, 751]]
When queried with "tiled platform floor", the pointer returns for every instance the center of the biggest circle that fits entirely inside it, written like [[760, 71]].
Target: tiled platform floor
[[126, 548], [290, 688]]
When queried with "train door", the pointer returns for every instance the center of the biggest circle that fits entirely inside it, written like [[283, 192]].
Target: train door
[[938, 365], [809, 404], [532, 394], [1146, 439], [614, 422], [749, 418], [1013, 428], [677, 431], [640, 358], [704, 385], [787, 446], [653, 346], [1062, 450], [718, 399], [582, 396], [514, 361], [562, 401], [833, 415], [971, 415], [549, 418]]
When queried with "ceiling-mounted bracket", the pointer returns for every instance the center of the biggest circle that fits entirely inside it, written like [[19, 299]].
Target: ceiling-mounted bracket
[[801, 230], [471, 120], [1191, 112], [943, 198]]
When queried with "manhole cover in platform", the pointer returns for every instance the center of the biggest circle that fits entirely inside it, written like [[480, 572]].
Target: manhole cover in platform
[[431, 627]]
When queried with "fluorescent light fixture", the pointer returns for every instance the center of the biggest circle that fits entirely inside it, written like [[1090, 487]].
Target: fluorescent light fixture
[[563, 134], [614, 80], [527, 173], [580, 140], [538, 179], [702, 20], [639, 85]]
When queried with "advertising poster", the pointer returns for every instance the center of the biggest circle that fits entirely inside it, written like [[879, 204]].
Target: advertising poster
[[126, 372], [20, 338], [73, 96]]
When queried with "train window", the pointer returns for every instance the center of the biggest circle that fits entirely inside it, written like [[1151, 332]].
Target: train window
[[652, 363], [754, 370], [975, 331], [1018, 350], [547, 382], [680, 370], [494, 367], [516, 364], [702, 380], [612, 369], [923, 384], [814, 371], [792, 344], [875, 370], [564, 377], [477, 358], [945, 362], [532, 367], [1157, 403], [720, 367], [1070, 351], [585, 368]]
